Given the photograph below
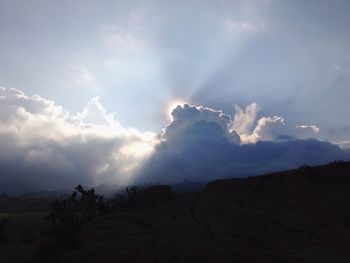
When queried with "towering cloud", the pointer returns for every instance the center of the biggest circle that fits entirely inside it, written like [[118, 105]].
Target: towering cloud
[[202, 144], [192, 123]]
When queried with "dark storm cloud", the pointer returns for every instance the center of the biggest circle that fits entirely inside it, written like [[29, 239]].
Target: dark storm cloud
[[203, 148]]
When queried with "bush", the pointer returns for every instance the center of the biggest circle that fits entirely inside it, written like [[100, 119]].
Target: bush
[[69, 215]]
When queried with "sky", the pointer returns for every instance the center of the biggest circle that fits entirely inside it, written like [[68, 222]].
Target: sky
[[89, 89]]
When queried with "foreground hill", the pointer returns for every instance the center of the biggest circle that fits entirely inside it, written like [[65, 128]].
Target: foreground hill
[[301, 215]]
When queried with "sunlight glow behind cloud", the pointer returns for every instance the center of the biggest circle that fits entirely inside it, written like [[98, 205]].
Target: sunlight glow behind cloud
[[43, 146], [213, 53], [248, 76], [172, 105]]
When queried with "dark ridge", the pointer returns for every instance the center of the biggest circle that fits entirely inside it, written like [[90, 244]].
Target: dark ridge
[[301, 215]]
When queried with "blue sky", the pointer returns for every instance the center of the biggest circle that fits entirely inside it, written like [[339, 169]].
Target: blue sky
[[291, 57], [288, 62]]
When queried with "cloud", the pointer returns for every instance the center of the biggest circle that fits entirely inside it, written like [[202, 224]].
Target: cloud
[[95, 113], [244, 119], [267, 128], [307, 131], [344, 145], [43, 146], [191, 123], [200, 144], [275, 128]]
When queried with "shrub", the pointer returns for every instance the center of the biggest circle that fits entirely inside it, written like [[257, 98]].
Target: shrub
[[69, 215]]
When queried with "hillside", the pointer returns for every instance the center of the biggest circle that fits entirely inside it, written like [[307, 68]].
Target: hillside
[[301, 215]]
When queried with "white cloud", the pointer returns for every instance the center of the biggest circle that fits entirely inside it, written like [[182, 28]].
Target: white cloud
[[267, 128], [314, 128], [344, 145], [90, 147], [243, 120], [187, 116], [307, 131], [95, 113]]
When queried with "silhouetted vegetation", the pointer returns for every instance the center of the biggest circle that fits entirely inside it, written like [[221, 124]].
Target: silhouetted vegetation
[[270, 218], [69, 215], [132, 197], [81, 206], [337, 163], [304, 168]]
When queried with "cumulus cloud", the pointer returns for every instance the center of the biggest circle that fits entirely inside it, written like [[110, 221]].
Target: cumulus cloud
[[95, 113], [43, 146], [244, 119], [275, 128], [267, 128], [201, 144], [188, 122]]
